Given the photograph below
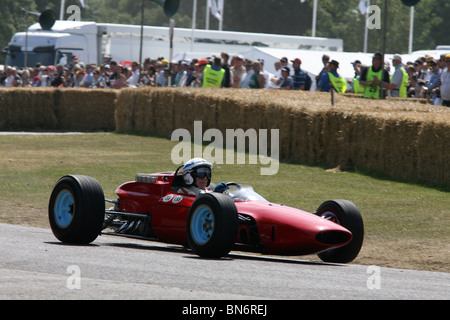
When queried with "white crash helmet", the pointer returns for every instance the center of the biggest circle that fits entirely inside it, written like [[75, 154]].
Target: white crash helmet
[[197, 167]]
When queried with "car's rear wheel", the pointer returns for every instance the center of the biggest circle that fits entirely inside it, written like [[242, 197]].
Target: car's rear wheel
[[212, 225], [346, 214], [76, 209]]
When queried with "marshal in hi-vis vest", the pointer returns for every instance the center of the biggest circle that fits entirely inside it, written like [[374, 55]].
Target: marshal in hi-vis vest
[[373, 91], [340, 84], [402, 92], [212, 78]]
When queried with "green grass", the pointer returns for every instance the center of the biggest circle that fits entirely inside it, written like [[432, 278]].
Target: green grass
[[407, 225]]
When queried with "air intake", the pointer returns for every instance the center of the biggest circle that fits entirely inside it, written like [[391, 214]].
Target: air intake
[[333, 237]]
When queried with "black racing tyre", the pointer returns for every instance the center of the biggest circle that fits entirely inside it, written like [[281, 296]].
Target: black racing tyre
[[212, 225], [346, 214], [76, 209]]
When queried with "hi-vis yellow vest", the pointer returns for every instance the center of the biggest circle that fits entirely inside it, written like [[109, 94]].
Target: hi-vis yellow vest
[[374, 90], [357, 88], [340, 84], [212, 78], [404, 85]]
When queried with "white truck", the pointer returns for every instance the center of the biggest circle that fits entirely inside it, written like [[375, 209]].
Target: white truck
[[91, 41]]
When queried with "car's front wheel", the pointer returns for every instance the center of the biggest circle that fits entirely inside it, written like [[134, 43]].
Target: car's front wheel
[[76, 209], [212, 225], [346, 214]]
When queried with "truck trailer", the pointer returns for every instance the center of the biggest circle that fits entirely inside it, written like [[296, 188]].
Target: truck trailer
[[92, 41]]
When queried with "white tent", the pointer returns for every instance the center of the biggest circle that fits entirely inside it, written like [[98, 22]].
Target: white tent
[[312, 60]]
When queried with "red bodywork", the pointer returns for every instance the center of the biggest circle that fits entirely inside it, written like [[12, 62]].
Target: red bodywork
[[264, 226]]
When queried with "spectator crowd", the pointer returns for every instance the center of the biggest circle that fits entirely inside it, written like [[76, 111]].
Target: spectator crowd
[[423, 78]]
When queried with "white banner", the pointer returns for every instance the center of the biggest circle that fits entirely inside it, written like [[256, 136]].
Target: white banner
[[215, 8], [363, 6]]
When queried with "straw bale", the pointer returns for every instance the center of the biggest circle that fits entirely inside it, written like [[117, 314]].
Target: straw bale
[[162, 103], [94, 111], [124, 110], [306, 131], [22, 109], [434, 153], [143, 112]]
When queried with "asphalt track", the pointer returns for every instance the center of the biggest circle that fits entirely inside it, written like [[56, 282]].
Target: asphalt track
[[34, 265]]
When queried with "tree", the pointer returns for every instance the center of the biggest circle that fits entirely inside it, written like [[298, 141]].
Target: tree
[[335, 19]]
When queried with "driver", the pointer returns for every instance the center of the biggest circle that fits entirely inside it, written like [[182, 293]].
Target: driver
[[197, 176]]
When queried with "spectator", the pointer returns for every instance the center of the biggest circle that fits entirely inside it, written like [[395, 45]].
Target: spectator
[[325, 60], [133, 80], [237, 71], [44, 79], [399, 80], [257, 80], [299, 76], [79, 76], [249, 73], [286, 82], [356, 87], [441, 62], [12, 79], [419, 78], [98, 80], [173, 68], [197, 77], [190, 74], [89, 76], [275, 80], [181, 73], [163, 78], [68, 78], [412, 80], [149, 77], [58, 79], [433, 84], [73, 62], [445, 83], [225, 66], [266, 74], [121, 80], [2, 76]]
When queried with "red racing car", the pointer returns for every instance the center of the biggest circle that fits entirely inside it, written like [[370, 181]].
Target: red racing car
[[212, 224]]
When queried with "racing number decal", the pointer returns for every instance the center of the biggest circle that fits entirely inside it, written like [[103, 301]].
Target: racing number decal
[[168, 198], [173, 198], [177, 199]]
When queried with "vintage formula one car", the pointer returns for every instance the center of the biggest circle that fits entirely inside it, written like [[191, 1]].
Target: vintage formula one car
[[211, 224]]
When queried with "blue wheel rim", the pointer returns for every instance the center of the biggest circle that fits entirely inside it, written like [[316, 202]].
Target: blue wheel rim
[[202, 224], [64, 208]]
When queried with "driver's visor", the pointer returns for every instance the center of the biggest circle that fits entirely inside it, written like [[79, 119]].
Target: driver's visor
[[203, 172]]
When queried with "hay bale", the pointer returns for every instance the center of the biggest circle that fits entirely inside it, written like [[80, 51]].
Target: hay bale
[[25, 109], [143, 119], [95, 111], [433, 163], [124, 113], [162, 104]]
